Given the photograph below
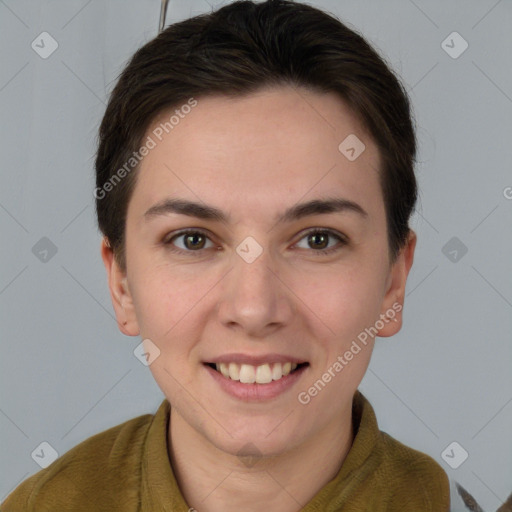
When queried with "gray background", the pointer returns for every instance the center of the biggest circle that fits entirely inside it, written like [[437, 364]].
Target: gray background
[[68, 373]]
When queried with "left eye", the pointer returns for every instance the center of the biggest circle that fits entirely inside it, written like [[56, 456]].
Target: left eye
[[320, 237]]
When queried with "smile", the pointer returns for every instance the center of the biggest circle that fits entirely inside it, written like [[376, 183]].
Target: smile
[[250, 374], [256, 382]]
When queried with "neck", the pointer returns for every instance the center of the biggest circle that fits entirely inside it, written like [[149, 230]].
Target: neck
[[212, 480]]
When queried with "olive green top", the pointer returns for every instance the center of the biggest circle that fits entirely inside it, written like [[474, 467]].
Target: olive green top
[[127, 469]]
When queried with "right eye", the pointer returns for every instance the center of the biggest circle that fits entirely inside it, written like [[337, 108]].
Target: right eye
[[193, 241]]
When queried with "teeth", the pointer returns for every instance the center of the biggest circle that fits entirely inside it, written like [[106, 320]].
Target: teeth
[[224, 369], [277, 372], [234, 371], [263, 374], [249, 374]]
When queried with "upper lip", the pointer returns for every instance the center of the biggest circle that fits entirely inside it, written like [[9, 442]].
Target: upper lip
[[255, 360]]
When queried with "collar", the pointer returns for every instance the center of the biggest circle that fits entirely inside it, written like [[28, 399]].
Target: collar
[[160, 491]]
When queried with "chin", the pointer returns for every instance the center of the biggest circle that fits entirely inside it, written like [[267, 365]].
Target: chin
[[269, 437]]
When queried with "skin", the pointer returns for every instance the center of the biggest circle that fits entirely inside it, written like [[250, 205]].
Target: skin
[[253, 157]]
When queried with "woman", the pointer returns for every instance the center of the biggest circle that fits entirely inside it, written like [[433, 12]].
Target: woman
[[254, 186]]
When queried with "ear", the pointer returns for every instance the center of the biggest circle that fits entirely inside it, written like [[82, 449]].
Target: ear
[[393, 302], [119, 292]]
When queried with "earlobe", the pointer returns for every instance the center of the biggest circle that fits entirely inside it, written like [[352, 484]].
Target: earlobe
[[393, 303], [119, 292]]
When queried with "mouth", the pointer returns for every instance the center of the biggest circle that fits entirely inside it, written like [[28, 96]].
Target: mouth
[[265, 373]]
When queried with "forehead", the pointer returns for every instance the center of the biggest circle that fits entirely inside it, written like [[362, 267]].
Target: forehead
[[277, 145]]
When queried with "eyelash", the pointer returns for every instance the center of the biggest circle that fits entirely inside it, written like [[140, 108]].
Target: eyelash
[[321, 252]]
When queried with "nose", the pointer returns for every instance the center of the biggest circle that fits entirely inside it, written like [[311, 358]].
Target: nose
[[255, 298]]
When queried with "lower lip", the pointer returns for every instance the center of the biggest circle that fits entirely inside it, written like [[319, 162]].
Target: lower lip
[[256, 392]]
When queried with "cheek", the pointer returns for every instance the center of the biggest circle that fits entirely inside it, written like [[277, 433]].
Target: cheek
[[162, 299], [346, 299], [167, 311]]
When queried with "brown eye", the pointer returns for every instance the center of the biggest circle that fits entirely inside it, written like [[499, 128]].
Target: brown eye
[[319, 239], [190, 241], [194, 241]]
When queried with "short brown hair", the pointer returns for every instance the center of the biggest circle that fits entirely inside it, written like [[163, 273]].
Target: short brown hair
[[237, 50]]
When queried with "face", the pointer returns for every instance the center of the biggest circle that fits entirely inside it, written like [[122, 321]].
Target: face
[[262, 271]]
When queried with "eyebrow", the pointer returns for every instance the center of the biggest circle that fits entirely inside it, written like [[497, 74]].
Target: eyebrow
[[296, 212]]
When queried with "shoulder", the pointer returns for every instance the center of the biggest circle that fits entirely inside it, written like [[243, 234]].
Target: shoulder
[[419, 481], [100, 473]]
